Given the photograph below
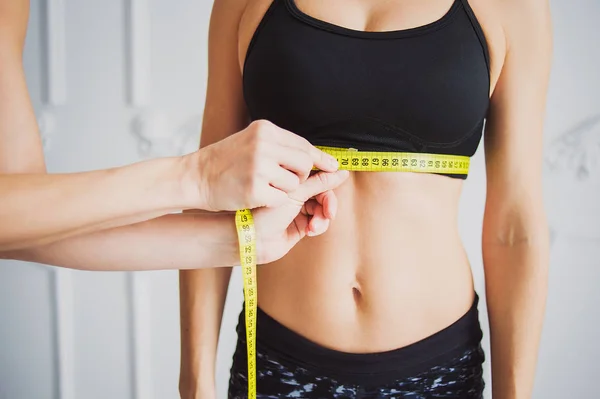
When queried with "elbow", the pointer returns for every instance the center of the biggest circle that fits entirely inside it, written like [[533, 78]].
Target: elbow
[[8, 246], [517, 228], [515, 241], [516, 236], [11, 245], [25, 254], [516, 248]]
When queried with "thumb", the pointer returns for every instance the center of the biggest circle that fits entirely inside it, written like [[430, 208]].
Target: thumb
[[319, 183]]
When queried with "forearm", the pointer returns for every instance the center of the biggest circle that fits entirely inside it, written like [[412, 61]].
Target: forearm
[[516, 278], [202, 298], [182, 241], [36, 209]]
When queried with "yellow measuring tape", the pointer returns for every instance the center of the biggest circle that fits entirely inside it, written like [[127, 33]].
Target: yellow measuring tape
[[244, 224], [371, 161], [348, 159]]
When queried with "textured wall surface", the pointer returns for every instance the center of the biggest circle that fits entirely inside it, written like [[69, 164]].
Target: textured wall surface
[[119, 81]]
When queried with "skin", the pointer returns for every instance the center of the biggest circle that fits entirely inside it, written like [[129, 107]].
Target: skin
[[65, 220], [361, 291], [195, 240], [37, 209]]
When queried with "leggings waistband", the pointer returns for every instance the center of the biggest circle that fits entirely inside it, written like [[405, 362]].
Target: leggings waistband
[[436, 349]]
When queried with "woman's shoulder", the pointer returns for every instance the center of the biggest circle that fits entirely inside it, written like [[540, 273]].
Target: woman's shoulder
[[254, 12], [508, 22], [514, 17]]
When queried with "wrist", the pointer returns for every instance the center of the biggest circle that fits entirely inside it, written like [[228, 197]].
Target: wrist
[[232, 246], [168, 186], [223, 244], [510, 391], [201, 379], [506, 384], [197, 388], [197, 382], [192, 181]]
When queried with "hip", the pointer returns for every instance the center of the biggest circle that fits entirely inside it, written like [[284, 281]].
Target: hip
[[448, 362]]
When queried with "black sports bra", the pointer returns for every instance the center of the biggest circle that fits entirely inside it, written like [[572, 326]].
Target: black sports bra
[[423, 89]]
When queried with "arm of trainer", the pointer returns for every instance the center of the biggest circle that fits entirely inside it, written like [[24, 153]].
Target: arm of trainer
[[196, 240], [259, 166]]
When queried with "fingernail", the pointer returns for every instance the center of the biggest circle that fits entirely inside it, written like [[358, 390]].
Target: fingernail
[[344, 173]]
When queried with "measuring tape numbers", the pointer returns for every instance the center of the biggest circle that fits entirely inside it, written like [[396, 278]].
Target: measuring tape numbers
[[244, 224], [374, 161], [348, 159]]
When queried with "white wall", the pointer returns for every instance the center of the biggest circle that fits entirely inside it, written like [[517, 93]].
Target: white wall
[[66, 335], [69, 334]]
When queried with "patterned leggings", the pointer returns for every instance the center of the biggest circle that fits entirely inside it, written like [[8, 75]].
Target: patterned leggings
[[447, 364], [459, 378]]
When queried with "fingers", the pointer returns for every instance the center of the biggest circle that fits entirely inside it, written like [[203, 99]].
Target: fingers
[[284, 180], [310, 207], [319, 183], [265, 164], [318, 223], [311, 221], [273, 197], [321, 160], [294, 160], [328, 200]]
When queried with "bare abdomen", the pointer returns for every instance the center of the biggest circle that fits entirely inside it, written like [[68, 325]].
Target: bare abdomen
[[390, 271]]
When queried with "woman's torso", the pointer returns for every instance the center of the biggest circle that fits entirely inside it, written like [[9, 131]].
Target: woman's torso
[[391, 269]]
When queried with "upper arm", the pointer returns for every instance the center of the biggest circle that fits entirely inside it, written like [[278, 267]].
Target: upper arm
[[13, 23], [514, 128], [20, 144], [225, 111]]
